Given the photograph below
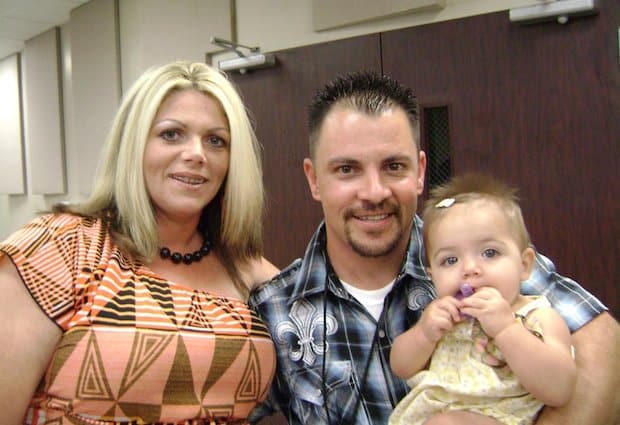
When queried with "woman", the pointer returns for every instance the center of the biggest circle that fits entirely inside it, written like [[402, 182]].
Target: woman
[[128, 308]]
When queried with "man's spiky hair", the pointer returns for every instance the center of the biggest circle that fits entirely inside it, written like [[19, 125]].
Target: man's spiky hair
[[367, 92]]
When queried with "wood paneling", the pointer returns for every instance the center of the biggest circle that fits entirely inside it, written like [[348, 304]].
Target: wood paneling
[[278, 99], [537, 106]]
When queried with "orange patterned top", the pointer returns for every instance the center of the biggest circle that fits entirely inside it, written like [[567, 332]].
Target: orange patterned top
[[135, 348]]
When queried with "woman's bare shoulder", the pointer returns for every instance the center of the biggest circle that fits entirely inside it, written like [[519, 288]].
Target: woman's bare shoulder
[[258, 271]]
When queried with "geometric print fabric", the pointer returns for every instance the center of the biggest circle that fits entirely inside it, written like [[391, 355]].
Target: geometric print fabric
[[136, 348]]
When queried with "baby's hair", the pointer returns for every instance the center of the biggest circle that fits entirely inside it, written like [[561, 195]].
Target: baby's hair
[[473, 187]]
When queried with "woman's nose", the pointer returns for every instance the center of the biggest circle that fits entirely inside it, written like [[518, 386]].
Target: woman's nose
[[194, 150]]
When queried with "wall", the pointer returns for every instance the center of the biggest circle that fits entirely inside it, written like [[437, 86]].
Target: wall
[[156, 31], [153, 32], [282, 24]]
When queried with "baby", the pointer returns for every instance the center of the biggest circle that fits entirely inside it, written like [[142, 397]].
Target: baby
[[481, 353]]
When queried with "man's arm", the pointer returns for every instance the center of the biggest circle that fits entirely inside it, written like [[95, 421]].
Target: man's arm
[[596, 399]]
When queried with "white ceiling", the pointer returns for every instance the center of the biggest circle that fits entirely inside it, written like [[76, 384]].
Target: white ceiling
[[20, 20]]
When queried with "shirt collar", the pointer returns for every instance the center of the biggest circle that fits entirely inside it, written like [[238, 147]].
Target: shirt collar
[[313, 271], [312, 274]]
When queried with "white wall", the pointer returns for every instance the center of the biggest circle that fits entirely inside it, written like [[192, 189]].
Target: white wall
[[282, 24], [151, 32]]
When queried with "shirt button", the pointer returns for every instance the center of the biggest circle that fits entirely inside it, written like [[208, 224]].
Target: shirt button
[[381, 334]]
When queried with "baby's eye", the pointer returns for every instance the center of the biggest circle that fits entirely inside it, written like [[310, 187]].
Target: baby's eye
[[449, 261], [490, 253], [170, 135]]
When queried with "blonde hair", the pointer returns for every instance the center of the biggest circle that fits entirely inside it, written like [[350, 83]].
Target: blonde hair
[[233, 218], [470, 188]]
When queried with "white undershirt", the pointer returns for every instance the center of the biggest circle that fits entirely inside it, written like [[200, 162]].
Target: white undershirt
[[371, 299]]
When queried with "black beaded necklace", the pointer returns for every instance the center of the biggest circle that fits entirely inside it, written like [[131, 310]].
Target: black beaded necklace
[[190, 257]]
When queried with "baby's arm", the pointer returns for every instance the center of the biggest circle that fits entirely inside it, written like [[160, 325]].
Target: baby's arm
[[545, 368], [413, 348]]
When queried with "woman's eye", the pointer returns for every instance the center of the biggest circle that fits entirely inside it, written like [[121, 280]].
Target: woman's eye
[[490, 253], [170, 135], [216, 141]]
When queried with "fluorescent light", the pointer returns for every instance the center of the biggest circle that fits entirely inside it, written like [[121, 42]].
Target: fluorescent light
[[559, 10], [246, 63]]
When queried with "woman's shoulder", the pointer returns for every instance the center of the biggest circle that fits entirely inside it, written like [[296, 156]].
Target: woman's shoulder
[[257, 271], [63, 219], [66, 223]]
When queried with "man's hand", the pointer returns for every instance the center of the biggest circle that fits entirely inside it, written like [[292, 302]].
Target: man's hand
[[596, 399]]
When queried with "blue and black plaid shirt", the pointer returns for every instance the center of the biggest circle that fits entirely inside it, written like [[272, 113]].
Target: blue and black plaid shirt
[[327, 343]]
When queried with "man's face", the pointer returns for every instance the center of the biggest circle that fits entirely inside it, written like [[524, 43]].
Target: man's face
[[367, 174]]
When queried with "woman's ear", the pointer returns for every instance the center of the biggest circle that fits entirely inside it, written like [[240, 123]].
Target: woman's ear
[[528, 256]]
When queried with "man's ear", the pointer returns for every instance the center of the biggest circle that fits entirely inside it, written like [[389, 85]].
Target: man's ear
[[311, 178], [421, 171], [429, 272], [528, 257]]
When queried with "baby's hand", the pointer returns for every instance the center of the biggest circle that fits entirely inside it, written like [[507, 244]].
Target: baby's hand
[[465, 290], [490, 308], [439, 317]]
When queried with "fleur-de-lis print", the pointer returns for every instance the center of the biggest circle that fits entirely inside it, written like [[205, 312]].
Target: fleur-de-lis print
[[305, 321], [420, 297]]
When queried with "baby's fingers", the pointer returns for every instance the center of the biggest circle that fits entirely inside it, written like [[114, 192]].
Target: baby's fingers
[[452, 307]]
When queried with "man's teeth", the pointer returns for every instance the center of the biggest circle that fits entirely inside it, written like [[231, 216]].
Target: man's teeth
[[189, 180], [373, 217]]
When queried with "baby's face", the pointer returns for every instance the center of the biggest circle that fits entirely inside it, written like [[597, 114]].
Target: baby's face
[[474, 243]]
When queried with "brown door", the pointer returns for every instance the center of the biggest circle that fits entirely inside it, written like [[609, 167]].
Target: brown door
[[278, 98], [537, 106]]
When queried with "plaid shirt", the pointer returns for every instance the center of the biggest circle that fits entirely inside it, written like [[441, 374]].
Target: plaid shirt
[[327, 343]]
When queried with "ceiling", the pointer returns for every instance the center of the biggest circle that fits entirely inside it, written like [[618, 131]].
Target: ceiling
[[20, 20]]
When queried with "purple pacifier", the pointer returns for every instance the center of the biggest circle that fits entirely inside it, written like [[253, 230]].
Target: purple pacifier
[[465, 290]]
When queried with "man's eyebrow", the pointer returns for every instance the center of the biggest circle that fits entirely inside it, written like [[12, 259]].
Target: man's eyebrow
[[402, 158], [342, 161]]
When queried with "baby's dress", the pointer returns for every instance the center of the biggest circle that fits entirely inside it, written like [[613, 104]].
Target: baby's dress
[[468, 372]]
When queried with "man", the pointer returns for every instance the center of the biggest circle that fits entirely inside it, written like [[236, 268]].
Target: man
[[334, 313]]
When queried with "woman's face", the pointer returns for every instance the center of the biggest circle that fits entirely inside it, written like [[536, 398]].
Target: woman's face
[[186, 155]]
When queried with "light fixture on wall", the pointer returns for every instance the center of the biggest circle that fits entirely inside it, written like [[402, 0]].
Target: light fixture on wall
[[244, 62], [560, 10]]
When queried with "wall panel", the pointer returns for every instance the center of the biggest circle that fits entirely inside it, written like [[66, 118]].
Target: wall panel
[[11, 142], [43, 114], [96, 81]]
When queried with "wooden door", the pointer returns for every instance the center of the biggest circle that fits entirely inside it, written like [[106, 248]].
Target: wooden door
[[278, 98], [538, 106]]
